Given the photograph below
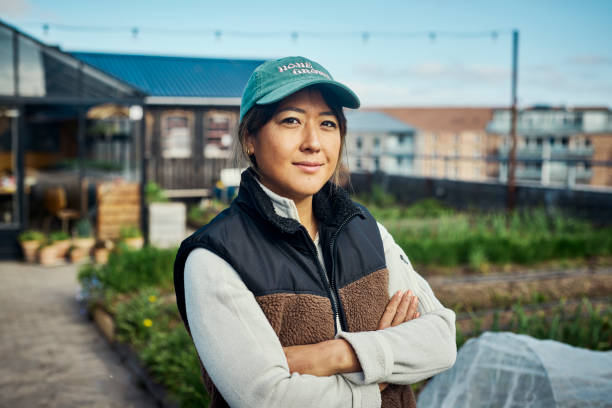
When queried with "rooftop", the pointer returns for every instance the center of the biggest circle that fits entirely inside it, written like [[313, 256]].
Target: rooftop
[[372, 121], [172, 76]]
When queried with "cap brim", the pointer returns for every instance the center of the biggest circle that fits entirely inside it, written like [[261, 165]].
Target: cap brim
[[343, 94]]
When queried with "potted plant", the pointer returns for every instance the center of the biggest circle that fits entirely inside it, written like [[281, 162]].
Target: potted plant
[[61, 241], [47, 253], [102, 250], [77, 254], [30, 241], [84, 240], [132, 236]]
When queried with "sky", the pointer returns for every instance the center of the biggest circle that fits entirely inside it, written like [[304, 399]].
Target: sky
[[565, 47]]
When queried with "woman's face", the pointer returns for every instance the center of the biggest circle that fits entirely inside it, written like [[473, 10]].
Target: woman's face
[[298, 149]]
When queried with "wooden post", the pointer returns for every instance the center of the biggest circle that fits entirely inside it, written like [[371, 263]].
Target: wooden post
[[512, 156]]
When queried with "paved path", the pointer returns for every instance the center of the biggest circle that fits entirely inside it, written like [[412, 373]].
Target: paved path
[[51, 355]]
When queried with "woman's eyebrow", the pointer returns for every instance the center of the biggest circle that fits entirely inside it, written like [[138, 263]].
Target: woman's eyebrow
[[292, 108]]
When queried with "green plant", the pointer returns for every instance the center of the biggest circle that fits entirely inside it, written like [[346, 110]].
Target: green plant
[[154, 193], [585, 326], [129, 231], [148, 320], [202, 215], [127, 271], [31, 235], [84, 228], [56, 236]]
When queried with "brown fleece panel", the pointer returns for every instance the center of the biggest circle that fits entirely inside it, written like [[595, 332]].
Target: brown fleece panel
[[298, 318], [364, 303], [365, 300], [398, 396]]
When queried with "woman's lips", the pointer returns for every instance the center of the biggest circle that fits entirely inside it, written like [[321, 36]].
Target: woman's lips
[[308, 167]]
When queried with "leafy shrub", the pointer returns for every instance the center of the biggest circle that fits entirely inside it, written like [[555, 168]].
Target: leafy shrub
[[84, 228], [154, 193], [129, 231], [128, 270], [202, 215], [31, 235], [149, 322], [58, 236]]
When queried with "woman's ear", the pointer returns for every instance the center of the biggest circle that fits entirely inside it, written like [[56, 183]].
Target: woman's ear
[[249, 145]]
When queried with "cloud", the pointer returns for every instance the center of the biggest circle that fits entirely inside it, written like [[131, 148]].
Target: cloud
[[14, 8], [590, 60], [436, 70]]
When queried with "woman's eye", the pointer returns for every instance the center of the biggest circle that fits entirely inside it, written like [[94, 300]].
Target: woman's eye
[[291, 121], [330, 124]]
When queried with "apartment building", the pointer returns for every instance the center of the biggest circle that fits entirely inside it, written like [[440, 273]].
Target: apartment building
[[378, 142], [452, 142], [557, 145]]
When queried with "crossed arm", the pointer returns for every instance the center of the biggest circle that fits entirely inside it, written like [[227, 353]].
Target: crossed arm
[[337, 356]]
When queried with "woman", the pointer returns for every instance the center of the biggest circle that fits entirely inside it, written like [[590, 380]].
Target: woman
[[286, 294]]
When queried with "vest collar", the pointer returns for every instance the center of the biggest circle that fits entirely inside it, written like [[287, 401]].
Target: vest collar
[[331, 204]]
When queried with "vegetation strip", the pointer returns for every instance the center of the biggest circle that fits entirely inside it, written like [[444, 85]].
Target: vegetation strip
[[106, 324]]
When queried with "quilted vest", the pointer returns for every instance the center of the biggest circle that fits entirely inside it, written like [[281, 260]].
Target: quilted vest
[[278, 262]]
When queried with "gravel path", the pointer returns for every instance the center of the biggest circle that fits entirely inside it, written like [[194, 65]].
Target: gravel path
[[51, 354]]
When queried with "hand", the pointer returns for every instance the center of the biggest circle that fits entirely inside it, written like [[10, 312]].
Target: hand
[[322, 359], [401, 308]]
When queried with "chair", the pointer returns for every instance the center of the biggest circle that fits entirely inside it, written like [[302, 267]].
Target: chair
[[55, 202]]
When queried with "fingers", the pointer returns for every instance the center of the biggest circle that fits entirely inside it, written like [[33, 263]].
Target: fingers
[[389, 313], [412, 309], [402, 309]]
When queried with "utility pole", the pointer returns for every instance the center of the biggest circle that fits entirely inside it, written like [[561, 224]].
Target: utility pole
[[511, 197]]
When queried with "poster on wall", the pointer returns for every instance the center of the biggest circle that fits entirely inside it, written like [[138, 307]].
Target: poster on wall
[[176, 138]]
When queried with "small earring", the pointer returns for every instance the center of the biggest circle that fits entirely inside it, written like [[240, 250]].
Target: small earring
[[248, 151]]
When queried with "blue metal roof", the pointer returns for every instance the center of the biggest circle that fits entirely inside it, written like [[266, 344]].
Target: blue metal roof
[[175, 76], [373, 121]]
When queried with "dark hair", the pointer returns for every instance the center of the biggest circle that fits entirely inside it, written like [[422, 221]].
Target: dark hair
[[259, 115]]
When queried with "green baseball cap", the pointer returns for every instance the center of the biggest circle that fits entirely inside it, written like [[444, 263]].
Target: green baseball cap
[[277, 79]]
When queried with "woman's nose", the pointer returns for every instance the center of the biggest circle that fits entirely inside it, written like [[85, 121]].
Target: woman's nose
[[311, 136]]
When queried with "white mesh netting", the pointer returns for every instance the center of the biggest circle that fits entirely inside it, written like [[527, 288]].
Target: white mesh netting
[[516, 371]]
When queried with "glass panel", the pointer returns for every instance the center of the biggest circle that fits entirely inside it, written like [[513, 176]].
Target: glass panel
[[218, 128], [31, 72], [51, 151], [61, 75], [7, 85], [110, 150], [176, 135], [8, 171]]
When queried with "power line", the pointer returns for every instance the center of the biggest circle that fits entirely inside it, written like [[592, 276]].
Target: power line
[[364, 35]]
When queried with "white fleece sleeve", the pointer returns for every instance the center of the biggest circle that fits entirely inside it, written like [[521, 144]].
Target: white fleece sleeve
[[411, 351], [241, 352]]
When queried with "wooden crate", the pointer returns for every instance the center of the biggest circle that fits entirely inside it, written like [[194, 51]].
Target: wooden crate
[[118, 206]]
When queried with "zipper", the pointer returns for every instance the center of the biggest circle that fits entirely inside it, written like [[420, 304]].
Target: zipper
[[321, 270], [332, 247]]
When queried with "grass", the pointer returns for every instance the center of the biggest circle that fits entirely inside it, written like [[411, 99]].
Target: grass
[[433, 234], [585, 326]]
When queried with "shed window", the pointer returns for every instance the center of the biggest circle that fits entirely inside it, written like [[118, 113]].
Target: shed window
[[176, 136]]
